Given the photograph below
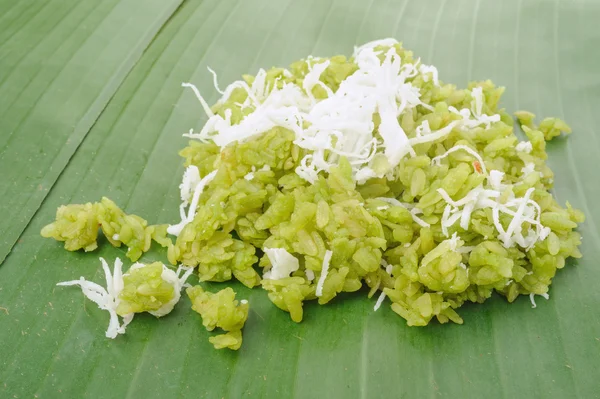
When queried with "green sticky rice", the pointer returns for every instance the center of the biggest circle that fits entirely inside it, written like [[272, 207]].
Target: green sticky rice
[[144, 290], [385, 235], [220, 310], [281, 210], [77, 225]]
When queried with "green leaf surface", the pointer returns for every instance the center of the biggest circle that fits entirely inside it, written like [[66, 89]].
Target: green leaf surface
[[52, 341], [60, 64]]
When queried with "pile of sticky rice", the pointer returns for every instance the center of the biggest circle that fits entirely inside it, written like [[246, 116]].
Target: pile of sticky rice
[[341, 174]]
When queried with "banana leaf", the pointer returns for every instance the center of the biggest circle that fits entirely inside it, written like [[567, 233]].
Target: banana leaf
[[91, 105], [60, 64]]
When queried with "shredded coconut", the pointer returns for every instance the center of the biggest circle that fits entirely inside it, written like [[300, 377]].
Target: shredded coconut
[[474, 117], [527, 211], [532, 299], [436, 160], [106, 298], [197, 190], [282, 263], [528, 169], [388, 270], [215, 80], [379, 301], [429, 69], [191, 179], [524, 146], [495, 179], [324, 272], [310, 275]]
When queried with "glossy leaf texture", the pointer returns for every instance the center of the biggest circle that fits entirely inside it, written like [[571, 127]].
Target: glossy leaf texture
[[91, 105]]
